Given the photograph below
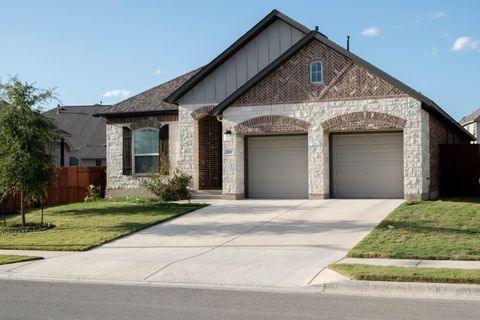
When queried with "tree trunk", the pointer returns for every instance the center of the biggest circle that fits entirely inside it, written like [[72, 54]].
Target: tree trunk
[[22, 210]]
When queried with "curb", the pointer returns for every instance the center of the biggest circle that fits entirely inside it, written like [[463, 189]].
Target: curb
[[404, 289]]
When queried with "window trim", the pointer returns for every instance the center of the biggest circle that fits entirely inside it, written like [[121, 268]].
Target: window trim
[[134, 154], [311, 72]]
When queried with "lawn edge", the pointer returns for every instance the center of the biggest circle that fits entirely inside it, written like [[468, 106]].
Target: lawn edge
[[22, 258], [199, 206], [353, 277]]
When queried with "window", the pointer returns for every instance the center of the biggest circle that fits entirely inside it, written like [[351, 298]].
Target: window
[[74, 162], [146, 150], [316, 72]]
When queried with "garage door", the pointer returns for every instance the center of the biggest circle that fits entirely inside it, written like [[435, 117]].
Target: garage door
[[367, 165], [277, 167]]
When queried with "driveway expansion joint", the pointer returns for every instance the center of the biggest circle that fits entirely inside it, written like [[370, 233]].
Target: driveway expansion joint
[[226, 242]]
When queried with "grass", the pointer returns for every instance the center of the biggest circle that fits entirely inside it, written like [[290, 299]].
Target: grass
[[81, 226], [437, 230], [6, 259], [407, 274]]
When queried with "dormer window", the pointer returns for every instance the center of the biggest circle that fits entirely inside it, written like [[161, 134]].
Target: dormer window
[[316, 72]]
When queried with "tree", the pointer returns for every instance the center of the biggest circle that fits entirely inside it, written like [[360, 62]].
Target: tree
[[26, 140]]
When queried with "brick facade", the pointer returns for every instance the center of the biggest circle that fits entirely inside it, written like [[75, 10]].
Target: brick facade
[[144, 122], [272, 124], [360, 121], [441, 133], [342, 80], [209, 153], [201, 112]]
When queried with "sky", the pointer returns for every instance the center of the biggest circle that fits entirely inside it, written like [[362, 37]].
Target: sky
[[92, 51]]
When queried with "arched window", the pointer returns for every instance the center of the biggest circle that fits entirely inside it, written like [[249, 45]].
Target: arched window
[[146, 150], [316, 72]]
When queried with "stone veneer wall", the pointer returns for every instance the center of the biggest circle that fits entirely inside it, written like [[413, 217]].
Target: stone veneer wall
[[415, 137], [441, 133], [117, 183]]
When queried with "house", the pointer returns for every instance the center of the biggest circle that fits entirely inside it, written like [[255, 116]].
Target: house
[[82, 141], [472, 123], [283, 112]]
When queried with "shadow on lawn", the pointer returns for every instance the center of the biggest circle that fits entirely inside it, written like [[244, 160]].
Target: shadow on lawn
[[117, 208], [475, 200], [422, 228]]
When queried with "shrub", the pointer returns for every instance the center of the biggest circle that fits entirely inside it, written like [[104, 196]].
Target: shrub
[[93, 193], [169, 189]]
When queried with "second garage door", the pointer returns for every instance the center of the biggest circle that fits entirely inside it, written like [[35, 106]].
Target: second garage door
[[277, 167], [367, 165]]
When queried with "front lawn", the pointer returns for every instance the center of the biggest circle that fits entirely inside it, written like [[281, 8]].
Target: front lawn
[[407, 274], [81, 226], [437, 230], [6, 259]]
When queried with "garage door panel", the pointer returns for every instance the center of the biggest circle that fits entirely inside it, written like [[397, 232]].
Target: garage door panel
[[368, 165], [277, 167]]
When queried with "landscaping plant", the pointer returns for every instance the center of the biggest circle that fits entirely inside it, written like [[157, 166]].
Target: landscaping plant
[[93, 193], [166, 188]]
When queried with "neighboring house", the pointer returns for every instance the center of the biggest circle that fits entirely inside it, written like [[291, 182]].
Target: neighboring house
[[284, 112], [83, 136], [472, 124]]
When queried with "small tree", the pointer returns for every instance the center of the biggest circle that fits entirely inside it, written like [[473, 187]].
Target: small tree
[[26, 138]]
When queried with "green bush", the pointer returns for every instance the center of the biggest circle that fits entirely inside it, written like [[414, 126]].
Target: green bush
[[169, 188], [93, 193]]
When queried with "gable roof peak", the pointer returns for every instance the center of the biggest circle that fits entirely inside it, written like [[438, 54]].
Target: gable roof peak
[[472, 117], [232, 49]]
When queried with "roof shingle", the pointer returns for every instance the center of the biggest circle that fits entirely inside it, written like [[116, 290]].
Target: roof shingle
[[85, 133], [151, 100], [474, 116]]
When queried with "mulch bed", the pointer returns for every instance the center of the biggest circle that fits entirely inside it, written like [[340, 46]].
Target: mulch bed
[[29, 227]]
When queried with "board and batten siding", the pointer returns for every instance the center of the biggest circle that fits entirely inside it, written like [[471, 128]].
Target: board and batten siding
[[244, 64]]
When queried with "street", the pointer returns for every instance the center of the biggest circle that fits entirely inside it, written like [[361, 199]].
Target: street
[[42, 300]]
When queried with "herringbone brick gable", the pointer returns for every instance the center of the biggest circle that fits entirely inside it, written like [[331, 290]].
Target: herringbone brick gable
[[342, 80]]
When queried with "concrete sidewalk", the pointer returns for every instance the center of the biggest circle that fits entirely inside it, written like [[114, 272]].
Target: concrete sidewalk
[[413, 263]]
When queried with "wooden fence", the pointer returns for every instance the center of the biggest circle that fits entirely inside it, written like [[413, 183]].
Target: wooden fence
[[70, 186], [459, 170]]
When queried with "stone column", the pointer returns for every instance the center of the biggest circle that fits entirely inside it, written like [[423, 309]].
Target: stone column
[[233, 165]]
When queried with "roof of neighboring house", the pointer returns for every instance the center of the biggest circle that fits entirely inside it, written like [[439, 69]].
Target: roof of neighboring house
[[426, 102], [474, 116], [230, 51], [85, 133], [150, 101]]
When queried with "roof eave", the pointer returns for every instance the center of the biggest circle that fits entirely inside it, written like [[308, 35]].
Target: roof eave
[[231, 50], [136, 113], [437, 109]]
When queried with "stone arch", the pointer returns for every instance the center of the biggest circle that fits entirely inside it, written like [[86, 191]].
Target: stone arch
[[202, 112], [155, 123], [271, 124], [365, 120], [146, 123]]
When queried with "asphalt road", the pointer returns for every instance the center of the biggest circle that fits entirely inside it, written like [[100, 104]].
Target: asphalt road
[[41, 300]]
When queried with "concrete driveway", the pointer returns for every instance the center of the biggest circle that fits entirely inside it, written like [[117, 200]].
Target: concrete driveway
[[255, 243]]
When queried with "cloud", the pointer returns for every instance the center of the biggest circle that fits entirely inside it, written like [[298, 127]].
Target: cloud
[[116, 93], [371, 32], [434, 51], [158, 71], [417, 20], [465, 43], [438, 14]]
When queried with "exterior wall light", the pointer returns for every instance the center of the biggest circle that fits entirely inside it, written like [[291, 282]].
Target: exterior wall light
[[227, 136]]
